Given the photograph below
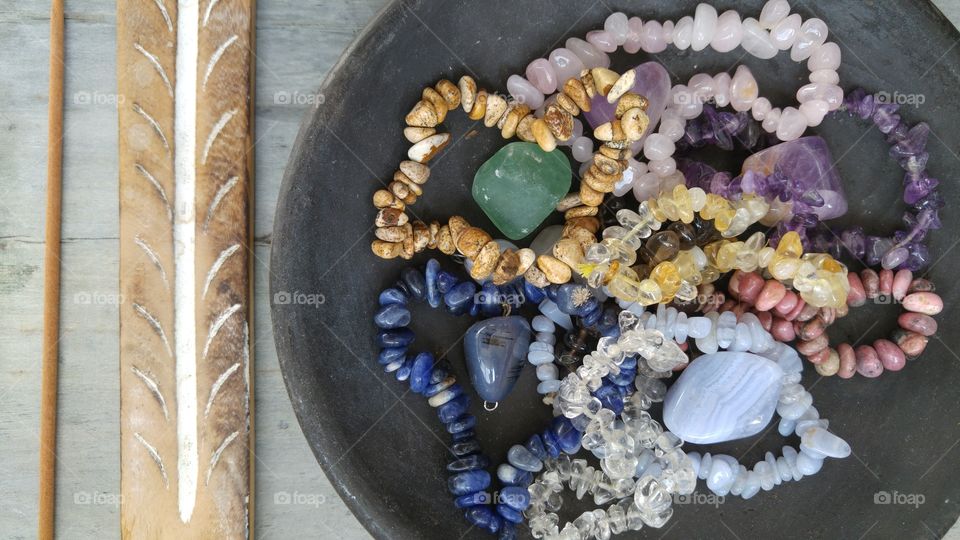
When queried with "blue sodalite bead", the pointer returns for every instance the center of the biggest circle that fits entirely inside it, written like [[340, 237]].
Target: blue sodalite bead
[[469, 463], [610, 398], [394, 366], [468, 482], [524, 480], [550, 443], [399, 337], [576, 300], [508, 531], [624, 378], [446, 281], [488, 299], [535, 446], [509, 514], [460, 298], [483, 517], [451, 410], [404, 372], [551, 292], [392, 295], [454, 391], [415, 282], [591, 318], [420, 372], [472, 499], [496, 351], [523, 459], [474, 311], [512, 476], [515, 497], [567, 436], [460, 436], [629, 362], [465, 422], [609, 324], [532, 293], [435, 388], [433, 288], [392, 316], [439, 372], [390, 354]]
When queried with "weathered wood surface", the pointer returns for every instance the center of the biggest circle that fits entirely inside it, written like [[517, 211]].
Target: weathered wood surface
[[297, 42]]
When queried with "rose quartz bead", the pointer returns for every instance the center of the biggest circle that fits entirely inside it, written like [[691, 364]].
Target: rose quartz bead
[[924, 325], [743, 89], [848, 361], [871, 283], [784, 34], [565, 64], [729, 32], [617, 26], [868, 362], [664, 167], [721, 89], [658, 146], [651, 37], [811, 329], [826, 56], [890, 354], [830, 93], [632, 43], [601, 39], [683, 33], [911, 343], [646, 186], [540, 73], [801, 305], [782, 330], [771, 120], [786, 304], [792, 124], [671, 125], [684, 103], [927, 303], [756, 40], [813, 33], [701, 85], [824, 76], [921, 285], [886, 282], [809, 347], [590, 56], [760, 109], [704, 26], [773, 12], [814, 111], [582, 149], [668, 27], [629, 177], [831, 365], [819, 357], [750, 286], [773, 291], [901, 283], [856, 296], [524, 92]]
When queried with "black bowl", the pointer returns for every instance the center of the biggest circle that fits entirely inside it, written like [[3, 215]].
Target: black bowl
[[384, 450]]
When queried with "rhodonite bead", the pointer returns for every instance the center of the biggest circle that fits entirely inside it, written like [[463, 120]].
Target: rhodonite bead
[[520, 185], [469, 463]]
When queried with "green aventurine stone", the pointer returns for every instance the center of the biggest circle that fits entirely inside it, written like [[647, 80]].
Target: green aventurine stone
[[520, 186]]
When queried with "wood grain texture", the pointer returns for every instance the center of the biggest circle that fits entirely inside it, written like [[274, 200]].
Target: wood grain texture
[[184, 478]]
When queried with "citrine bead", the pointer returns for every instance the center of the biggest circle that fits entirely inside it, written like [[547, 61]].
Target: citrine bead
[[790, 245], [667, 277]]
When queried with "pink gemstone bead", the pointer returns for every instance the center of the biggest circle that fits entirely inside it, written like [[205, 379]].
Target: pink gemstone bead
[[582, 149], [773, 12], [760, 109], [856, 296], [756, 40], [664, 167], [830, 93], [524, 92], [784, 33], [813, 33], [782, 330], [729, 32], [704, 26], [824, 76], [617, 26], [814, 111], [924, 325], [786, 304], [927, 303], [651, 37], [792, 124], [819, 357], [886, 282], [701, 85], [540, 73], [848, 361], [901, 283], [766, 319], [602, 40], [826, 56], [743, 89], [868, 362], [565, 64], [773, 291], [647, 186], [890, 354], [632, 44], [683, 33], [721, 89], [750, 286], [871, 282], [590, 56], [796, 310]]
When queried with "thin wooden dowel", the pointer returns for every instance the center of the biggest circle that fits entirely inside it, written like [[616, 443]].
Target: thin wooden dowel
[[51, 280]]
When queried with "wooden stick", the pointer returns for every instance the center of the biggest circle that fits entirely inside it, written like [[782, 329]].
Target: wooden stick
[[51, 279]]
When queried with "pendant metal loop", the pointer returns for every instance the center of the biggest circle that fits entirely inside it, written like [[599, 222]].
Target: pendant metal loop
[[490, 407]]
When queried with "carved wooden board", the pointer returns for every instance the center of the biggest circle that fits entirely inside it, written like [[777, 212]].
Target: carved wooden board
[[185, 76]]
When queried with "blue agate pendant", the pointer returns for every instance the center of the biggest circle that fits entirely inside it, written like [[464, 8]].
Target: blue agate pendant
[[496, 350]]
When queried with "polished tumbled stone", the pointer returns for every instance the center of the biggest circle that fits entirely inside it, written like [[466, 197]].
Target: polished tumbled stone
[[723, 396], [496, 350], [520, 186]]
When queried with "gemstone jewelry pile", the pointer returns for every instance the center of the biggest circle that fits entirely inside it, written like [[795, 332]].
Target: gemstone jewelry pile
[[705, 293]]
